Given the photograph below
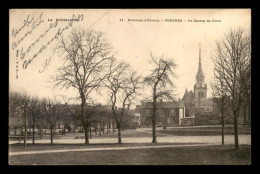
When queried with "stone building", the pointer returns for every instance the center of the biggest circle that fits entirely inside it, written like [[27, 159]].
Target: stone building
[[168, 113], [199, 108]]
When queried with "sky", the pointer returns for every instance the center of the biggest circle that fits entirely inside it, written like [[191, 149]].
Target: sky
[[130, 34]]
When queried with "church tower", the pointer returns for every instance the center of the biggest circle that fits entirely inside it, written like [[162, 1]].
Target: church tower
[[200, 88]]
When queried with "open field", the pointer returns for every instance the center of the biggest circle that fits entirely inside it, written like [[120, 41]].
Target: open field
[[204, 131], [176, 146], [212, 155], [44, 147]]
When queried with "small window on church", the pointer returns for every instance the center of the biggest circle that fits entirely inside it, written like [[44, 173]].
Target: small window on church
[[168, 120], [172, 119]]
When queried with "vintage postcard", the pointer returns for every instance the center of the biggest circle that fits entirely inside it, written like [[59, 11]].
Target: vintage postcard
[[129, 87]]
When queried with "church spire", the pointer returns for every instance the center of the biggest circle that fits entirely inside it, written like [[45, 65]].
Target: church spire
[[200, 74], [200, 88], [200, 66]]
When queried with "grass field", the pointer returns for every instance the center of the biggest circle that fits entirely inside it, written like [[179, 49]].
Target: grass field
[[206, 155], [187, 131], [192, 155], [40, 147], [204, 131]]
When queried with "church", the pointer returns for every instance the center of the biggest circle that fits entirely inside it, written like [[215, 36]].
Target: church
[[198, 107], [193, 109]]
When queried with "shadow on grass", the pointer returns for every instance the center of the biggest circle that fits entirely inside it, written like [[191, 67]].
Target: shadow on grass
[[195, 155], [39, 147]]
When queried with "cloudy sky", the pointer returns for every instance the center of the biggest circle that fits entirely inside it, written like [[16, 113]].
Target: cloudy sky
[[131, 36]]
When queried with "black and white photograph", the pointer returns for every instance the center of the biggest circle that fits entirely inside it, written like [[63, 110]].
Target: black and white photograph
[[129, 87]]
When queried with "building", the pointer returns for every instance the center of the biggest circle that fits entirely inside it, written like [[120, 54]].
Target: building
[[168, 113], [132, 116], [137, 117], [198, 107]]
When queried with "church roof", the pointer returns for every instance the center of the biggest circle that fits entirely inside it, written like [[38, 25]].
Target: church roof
[[188, 98], [175, 104]]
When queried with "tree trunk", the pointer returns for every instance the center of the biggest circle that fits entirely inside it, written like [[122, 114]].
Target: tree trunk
[[83, 102], [33, 132], [154, 131], [113, 125], [30, 132], [249, 113], [103, 126], [54, 131], [20, 134], [107, 127], [86, 135], [99, 128], [165, 120], [15, 131], [25, 132], [41, 132], [223, 123], [119, 133], [236, 132], [154, 115], [45, 132], [248, 103], [51, 135], [90, 131], [245, 120], [96, 129]]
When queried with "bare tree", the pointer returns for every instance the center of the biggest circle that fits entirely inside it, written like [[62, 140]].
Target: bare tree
[[232, 61], [34, 114], [246, 83], [51, 112], [100, 116], [86, 54], [221, 100], [40, 122], [122, 84], [160, 79], [15, 111], [23, 102], [24, 105]]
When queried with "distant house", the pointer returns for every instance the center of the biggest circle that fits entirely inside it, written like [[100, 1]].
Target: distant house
[[135, 122], [168, 113]]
